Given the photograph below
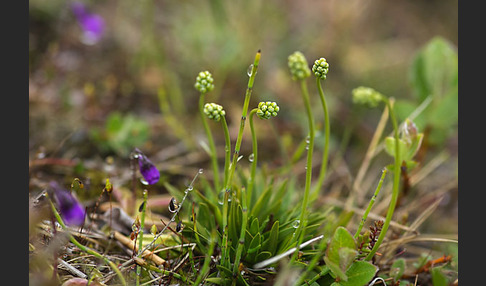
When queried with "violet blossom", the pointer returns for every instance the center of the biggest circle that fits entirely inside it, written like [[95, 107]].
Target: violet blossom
[[93, 25], [71, 210], [148, 170]]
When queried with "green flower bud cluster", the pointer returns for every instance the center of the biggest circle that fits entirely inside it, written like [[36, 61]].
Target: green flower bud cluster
[[320, 68], [214, 111], [367, 96], [204, 82], [298, 66], [267, 109]]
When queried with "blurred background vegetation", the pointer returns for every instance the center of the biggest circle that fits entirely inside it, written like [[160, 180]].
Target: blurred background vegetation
[[90, 102]]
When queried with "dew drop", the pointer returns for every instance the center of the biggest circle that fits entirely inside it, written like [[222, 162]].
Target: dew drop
[[143, 181], [239, 158], [251, 157], [296, 223], [249, 71], [221, 197], [190, 188], [200, 171]]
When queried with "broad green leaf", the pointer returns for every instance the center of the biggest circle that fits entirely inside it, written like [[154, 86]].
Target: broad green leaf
[[390, 147], [434, 70], [336, 270], [346, 257], [397, 269], [359, 273], [341, 238], [438, 277]]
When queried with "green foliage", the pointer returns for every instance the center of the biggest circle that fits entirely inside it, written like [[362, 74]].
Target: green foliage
[[340, 258], [434, 73], [121, 133]]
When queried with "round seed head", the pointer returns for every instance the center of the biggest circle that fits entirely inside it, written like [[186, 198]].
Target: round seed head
[[204, 82], [299, 69], [267, 109], [214, 111], [320, 68], [367, 96]]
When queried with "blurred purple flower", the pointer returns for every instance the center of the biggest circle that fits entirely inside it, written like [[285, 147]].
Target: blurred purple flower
[[93, 25], [148, 170], [71, 210]]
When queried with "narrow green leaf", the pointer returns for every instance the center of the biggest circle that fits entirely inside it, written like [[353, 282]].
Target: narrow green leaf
[[270, 244], [254, 226], [255, 244]]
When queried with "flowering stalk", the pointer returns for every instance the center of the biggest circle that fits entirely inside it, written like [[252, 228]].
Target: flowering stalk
[[204, 84], [320, 69], [255, 156], [300, 71], [265, 110], [236, 154], [140, 235], [227, 149]]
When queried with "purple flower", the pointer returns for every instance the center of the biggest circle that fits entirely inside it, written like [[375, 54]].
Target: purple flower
[[71, 210], [148, 170], [93, 25]]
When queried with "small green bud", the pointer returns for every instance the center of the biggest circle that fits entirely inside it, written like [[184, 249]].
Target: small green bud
[[320, 68], [367, 96], [267, 109], [214, 111], [298, 66], [204, 82]]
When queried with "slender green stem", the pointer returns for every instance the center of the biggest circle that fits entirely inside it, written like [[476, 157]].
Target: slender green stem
[[241, 241], [205, 268], [255, 157], [372, 201], [212, 147], [86, 249], [308, 171], [224, 251], [227, 149], [327, 131], [323, 272], [140, 235], [313, 262], [396, 183], [243, 117]]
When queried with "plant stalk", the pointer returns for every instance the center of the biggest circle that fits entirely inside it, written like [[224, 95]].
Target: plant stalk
[[327, 131], [212, 147], [308, 171], [372, 201], [224, 250], [396, 183]]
